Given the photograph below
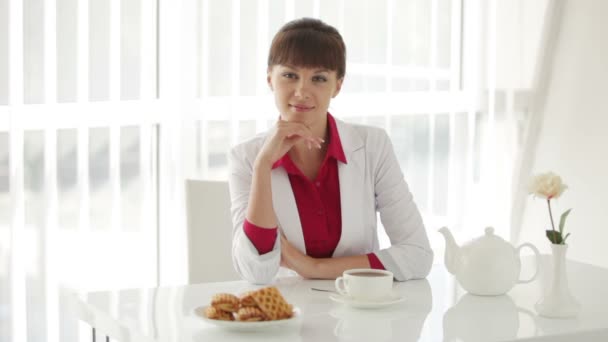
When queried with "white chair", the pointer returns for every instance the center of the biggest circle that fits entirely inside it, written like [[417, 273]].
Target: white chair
[[209, 232]]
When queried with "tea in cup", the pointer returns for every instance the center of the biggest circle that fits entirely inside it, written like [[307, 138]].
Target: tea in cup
[[365, 284]]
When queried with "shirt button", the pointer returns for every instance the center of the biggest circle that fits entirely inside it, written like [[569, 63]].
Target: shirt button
[[318, 184], [320, 212]]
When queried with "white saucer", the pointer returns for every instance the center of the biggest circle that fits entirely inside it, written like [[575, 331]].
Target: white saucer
[[367, 304]]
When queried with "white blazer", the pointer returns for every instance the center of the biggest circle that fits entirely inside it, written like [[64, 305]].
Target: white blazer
[[371, 181]]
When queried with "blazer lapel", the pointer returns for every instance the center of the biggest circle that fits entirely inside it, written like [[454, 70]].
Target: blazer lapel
[[351, 202], [351, 179], [285, 208]]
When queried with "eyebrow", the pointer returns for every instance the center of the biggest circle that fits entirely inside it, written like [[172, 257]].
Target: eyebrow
[[296, 68]]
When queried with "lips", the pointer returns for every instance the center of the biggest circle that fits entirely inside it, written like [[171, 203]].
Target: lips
[[301, 108]]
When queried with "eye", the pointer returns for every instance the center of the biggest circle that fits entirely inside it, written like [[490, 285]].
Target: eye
[[290, 75], [319, 79]]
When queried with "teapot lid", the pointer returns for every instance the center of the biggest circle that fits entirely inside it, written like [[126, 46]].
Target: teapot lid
[[493, 242]]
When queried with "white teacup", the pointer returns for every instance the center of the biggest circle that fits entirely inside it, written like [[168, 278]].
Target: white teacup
[[365, 284]]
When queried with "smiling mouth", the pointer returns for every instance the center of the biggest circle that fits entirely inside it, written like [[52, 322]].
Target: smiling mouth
[[300, 108]]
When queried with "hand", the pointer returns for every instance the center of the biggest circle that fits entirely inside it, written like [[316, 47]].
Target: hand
[[282, 138], [295, 260], [321, 268]]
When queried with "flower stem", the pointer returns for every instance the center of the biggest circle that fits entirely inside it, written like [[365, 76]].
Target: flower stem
[[551, 215]]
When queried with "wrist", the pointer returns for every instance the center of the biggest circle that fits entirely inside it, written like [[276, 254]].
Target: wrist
[[315, 267], [262, 164]]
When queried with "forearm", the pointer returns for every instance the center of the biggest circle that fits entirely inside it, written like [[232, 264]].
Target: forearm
[[260, 211], [331, 268]]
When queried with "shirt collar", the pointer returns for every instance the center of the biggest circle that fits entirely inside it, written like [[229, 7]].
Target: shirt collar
[[334, 148]]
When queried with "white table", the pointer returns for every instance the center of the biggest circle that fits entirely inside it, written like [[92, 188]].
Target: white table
[[435, 309]]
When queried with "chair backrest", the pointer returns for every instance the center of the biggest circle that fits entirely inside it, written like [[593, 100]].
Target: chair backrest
[[209, 232]]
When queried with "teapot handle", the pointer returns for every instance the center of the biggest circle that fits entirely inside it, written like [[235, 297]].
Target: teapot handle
[[531, 315], [537, 254]]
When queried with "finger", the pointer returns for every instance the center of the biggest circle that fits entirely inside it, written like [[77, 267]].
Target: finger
[[295, 128], [312, 141], [292, 131], [316, 141]]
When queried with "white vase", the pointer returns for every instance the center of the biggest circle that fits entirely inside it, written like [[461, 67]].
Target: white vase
[[557, 301]]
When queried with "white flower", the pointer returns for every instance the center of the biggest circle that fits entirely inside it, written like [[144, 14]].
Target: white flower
[[547, 185]]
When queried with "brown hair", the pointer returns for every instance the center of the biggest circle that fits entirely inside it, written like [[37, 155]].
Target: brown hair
[[308, 42]]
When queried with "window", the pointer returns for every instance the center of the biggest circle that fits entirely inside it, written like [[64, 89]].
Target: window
[[403, 56], [78, 146], [104, 112]]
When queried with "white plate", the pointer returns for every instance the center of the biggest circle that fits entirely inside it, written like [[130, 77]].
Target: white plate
[[366, 304], [251, 326]]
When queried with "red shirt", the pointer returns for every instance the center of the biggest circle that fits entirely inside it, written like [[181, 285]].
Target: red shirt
[[318, 204]]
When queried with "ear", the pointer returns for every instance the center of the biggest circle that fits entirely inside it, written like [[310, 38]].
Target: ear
[[269, 79], [338, 87]]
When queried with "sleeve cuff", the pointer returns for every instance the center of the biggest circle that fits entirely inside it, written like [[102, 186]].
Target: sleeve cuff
[[262, 238], [374, 262]]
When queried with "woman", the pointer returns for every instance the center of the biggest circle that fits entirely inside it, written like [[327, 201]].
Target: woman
[[305, 194]]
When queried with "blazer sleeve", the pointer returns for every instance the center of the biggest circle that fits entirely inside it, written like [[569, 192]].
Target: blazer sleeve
[[410, 255], [253, 267]]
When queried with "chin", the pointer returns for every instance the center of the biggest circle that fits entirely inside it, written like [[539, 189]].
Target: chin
[[294, 117], [305, 118]]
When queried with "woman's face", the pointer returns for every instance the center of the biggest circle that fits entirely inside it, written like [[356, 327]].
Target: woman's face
[[303, 94]]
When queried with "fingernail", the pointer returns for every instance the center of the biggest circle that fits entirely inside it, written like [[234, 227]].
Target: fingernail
[[319, 146]]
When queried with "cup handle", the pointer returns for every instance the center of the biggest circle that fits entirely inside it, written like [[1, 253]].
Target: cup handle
[[340, 286], [531, 246]]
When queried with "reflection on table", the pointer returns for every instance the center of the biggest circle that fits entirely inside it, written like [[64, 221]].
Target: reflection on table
[[434, 309]]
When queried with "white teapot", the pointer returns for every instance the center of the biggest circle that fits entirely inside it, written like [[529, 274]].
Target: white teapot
[[486, 266]]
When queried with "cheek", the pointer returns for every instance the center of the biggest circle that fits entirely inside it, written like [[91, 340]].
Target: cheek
[[281, 97], [282, 94], [281, 89], [325, 96], [276, 89]]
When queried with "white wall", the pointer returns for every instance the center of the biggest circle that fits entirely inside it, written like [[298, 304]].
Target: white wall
[[519, 25], [573, 139]]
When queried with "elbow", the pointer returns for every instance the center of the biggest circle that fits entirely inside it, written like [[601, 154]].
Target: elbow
[[250, 265], [418, 266], [256, 273], [255, 277], [426, 264], [258, 279]]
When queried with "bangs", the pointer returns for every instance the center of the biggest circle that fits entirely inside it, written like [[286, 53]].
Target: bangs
[[308, 48]]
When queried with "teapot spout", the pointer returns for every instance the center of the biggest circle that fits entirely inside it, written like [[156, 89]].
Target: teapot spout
[[453, 254]]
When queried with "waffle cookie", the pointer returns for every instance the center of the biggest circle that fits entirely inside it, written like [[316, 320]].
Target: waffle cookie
[[272, 303], [246, 300], [250, 314], [214, 313], [225, 302]]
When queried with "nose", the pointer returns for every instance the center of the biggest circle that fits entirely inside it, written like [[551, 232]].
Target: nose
[[302, 89]]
